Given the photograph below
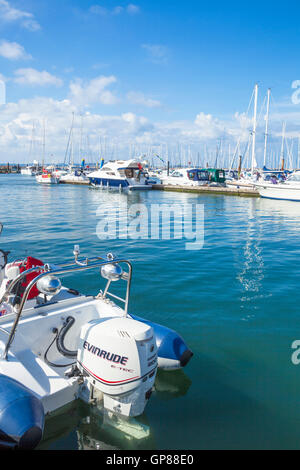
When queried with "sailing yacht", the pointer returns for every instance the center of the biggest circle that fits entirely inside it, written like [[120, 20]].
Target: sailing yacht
[[288, 190], [31, 169], [74, 175], [47, 177]]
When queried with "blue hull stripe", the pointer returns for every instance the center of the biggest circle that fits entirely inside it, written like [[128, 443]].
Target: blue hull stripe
[[109, 182], [280, 199]]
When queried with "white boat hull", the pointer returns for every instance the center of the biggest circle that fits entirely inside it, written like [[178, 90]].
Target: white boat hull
[[279, 191], [28, 172], [47, 179], [182, 182]]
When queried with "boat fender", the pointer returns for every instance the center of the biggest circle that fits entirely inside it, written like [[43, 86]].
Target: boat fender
[[61, 336], [170, 346], [21, 415]]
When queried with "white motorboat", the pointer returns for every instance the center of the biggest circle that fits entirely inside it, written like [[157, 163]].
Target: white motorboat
[[246, 180], [186, 177], [30, 170], [58, 345], [47, 177], [121, 174], [286, 190], [73, 176]]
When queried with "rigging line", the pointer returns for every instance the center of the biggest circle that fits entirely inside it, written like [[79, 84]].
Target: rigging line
[[247, 148], [235, 153], [70, 134], [250, 102], [244, 125], [289, 151], [261, 110]]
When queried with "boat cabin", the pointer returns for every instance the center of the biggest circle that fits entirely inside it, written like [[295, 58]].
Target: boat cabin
[[216, 175]]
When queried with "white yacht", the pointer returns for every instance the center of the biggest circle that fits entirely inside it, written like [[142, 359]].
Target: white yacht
[[186, 177], [74, 175], [30, 170], [287, 190], [121, 174], [247, 179], [47, 177]]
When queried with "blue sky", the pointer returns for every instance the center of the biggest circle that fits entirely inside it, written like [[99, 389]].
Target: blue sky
[[154, 72]]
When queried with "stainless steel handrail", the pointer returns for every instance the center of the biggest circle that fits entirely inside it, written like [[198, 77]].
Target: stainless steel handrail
[[69, 268]]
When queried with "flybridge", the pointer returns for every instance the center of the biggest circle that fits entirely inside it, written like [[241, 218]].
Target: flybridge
[[117, 359]]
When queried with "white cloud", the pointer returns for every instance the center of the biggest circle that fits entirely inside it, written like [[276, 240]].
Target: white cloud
[[207, 126], [133, 9], [34, 77], [98, 10], [117, 10], [157, 53], [9, 14], [140, 99], [13, 51], [93, 92], [126, 128], [16, 121]]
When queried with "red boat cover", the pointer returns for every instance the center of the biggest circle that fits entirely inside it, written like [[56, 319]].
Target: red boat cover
[[30, 263]]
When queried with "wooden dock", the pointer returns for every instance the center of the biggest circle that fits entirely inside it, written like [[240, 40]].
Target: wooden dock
[[242, 191], [227, 190]]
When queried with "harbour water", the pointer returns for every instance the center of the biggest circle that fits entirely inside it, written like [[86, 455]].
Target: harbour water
[[235, 302]]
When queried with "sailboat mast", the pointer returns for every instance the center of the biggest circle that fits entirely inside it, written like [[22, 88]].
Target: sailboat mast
[[267, 127], [254, 128], [282, 144], [44, 143]]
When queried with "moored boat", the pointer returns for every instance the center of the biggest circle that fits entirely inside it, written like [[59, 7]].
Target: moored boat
[[47, 177], [121, 174], [186, 177], [286, 190], [30, 170], [58, 345]]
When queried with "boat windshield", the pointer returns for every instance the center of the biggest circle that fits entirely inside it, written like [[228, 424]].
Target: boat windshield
[[133, 173], [203, 176], [198, 175], [176, 174]]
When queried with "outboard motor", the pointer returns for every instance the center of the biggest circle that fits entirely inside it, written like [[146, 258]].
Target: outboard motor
[[118, 357], [21, 416]]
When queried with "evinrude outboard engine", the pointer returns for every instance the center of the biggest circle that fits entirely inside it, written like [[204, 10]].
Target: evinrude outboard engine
[[21, 416], [119, 358]]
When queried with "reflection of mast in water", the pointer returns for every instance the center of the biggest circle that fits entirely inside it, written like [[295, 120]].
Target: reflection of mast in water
[[252, 266]]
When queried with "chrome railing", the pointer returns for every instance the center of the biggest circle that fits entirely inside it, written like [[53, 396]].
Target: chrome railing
[[62, 270]]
